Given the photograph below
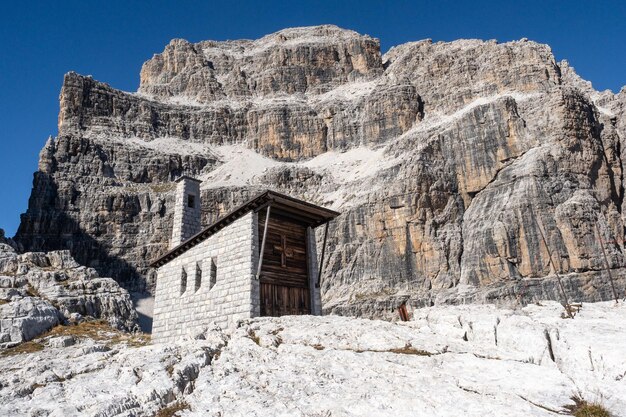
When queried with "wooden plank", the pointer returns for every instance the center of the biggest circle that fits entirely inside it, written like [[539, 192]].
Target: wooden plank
[[264, 238], [292, 237], [302, 207], [273, 264], [402, 311], [283, 218], [298, 217], [279, 271], [282, 279], [277, 300]]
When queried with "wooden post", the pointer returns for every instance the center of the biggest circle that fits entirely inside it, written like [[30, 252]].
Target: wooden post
[[606, 264], [558, 277], [404, 315], [267, 221], [319, 272]]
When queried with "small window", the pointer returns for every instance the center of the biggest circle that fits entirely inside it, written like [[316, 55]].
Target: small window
[[213, 275], [191, 201], [183, 281], [198, 275]]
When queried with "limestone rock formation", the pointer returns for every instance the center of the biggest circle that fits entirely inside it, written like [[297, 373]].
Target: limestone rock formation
[[26, 318], [448, 161], [448, 361], [41, 290]]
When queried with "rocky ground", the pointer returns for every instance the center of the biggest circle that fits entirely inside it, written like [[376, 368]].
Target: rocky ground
[[41, 290], [447, 361]]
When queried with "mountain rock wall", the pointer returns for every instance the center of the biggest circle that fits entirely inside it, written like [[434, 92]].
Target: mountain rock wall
[[450, 163]]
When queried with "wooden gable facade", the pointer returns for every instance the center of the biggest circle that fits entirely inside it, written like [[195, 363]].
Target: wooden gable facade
[[284, 274], [287, 251]]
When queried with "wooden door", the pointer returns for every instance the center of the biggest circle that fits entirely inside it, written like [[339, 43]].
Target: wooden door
[[284, 281]]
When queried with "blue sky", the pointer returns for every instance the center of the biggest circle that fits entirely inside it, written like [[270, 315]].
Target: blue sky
[[40, 41]]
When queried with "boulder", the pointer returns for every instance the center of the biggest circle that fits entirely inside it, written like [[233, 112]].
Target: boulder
[[26, 318]]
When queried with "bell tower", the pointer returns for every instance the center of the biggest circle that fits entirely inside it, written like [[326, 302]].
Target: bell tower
[[187, 210]]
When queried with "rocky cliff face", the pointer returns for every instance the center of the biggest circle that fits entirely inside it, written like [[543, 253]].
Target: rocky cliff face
[[448, 161], [41, 290]]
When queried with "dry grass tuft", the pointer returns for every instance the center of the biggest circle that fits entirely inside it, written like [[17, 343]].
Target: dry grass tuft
[[101, 331], [170, 369], [582, 408], [3, 302], [172, 409], [252, 335], [98, 330], [406, 350], [23, 348], [410, 350]]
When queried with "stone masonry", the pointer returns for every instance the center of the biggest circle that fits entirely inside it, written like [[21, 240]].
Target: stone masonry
[[187, 211], [213, 282]]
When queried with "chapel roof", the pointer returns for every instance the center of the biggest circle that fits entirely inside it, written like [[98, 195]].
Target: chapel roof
[[305, 212]]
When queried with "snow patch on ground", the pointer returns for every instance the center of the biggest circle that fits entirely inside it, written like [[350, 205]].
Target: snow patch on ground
[[168, 145], [605, 111], [348, 166], [242, 166], [434, 119], [349, 91], [344, 92], [174, 145], [293, 37], [239, 166]]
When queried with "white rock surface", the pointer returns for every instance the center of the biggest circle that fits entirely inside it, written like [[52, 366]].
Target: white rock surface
[[26, 318], [448, 361], [40, 290]]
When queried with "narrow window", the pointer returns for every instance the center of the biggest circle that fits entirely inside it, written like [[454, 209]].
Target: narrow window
[[198, 275], [191, 201], [183, 281], [213, 275]]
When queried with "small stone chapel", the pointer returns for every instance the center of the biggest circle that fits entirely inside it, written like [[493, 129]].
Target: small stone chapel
[[258, 260]]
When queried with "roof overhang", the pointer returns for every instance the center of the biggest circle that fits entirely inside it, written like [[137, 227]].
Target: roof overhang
[[299, 210]]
